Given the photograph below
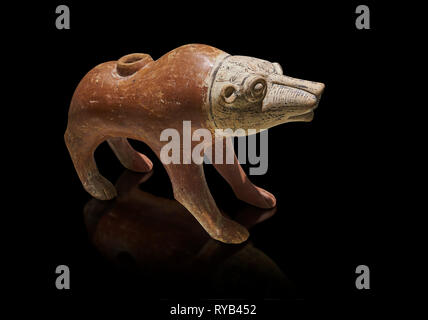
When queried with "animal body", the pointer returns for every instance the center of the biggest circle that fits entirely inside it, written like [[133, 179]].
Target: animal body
[[137, 97]]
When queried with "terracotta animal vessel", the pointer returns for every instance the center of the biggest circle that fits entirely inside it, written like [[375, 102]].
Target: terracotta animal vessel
[[137, 97]]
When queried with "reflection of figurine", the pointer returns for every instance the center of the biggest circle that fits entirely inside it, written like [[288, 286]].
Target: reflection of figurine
[[156, 238], [136, 97]]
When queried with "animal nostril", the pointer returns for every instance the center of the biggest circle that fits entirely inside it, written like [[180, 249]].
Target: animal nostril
[[319, 89]]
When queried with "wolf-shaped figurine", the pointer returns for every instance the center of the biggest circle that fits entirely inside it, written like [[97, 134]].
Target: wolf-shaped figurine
[[136, 97]]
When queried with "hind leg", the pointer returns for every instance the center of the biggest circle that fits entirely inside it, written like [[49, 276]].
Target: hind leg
[[81, 146], [129, 158]]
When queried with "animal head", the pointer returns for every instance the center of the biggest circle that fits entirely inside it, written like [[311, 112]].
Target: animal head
[[251, 93]]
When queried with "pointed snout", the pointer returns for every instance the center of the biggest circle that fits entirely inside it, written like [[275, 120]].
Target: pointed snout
[[297, 95], [316, 88]]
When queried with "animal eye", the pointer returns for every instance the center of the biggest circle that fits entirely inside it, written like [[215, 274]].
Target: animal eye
[[256, 89], [229, 94]]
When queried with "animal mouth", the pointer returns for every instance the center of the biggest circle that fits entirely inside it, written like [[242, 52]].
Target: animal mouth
[[307, 116]]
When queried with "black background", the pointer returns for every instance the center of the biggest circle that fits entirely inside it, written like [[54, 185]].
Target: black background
[[330, 176]]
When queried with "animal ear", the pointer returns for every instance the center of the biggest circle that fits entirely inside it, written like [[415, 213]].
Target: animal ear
[[278, 68], [228, 93]]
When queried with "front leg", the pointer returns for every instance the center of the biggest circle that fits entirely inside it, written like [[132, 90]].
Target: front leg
[[191, 190], [241, 185]]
